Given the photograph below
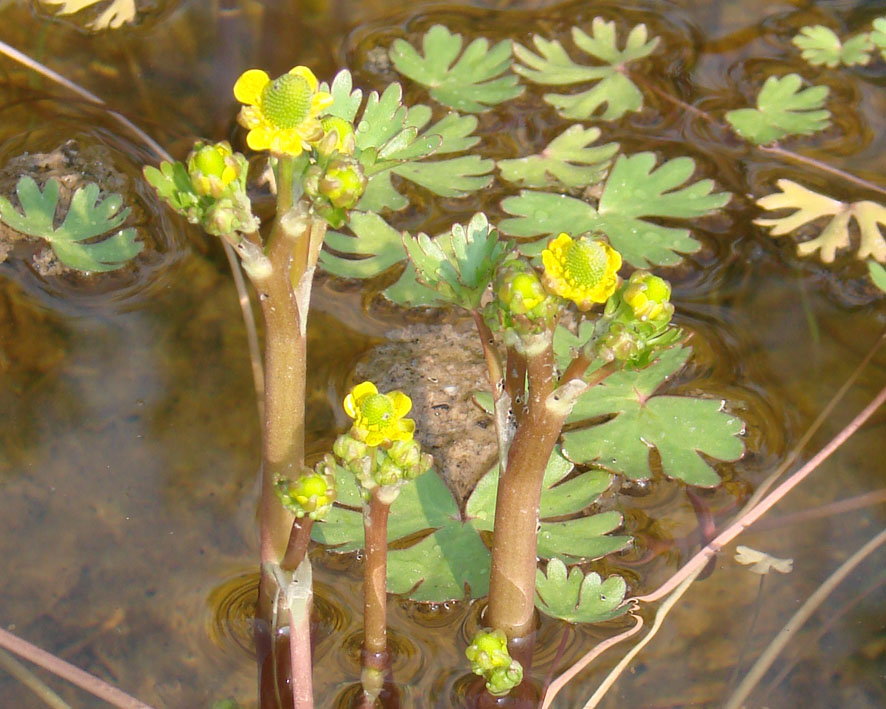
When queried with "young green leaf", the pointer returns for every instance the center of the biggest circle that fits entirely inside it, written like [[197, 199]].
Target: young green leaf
[[810, 206], [85, 219], [395, 140], [566, 162], [635, 189], [553, 66], [577, 598], [478, 80], [461, 272], [821, 45], [877, 274], [173, 185], [679, 428], [878, 35], [782, 110]]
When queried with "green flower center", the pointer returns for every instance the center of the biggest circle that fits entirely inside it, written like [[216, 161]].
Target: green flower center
[[377, 410], [312, 485], [286, 101], [210, 161], [585, 263]]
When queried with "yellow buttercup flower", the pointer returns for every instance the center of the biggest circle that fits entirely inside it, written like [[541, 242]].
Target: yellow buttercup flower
[[378, 418], [281, 115], [583, 270]]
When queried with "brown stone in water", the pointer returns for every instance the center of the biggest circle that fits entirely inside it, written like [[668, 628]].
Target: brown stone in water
[[440, 367]]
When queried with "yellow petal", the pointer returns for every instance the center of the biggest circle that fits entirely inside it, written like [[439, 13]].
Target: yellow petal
[[249, 86], [349, 405], [305, 74], [288, 143], [407, 428], [320, 101], [402, 403], [373, 438], [260, 138]]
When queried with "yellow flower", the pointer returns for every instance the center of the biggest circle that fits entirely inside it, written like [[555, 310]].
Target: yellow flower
[[281, 115], [583, 271], [378, 418]]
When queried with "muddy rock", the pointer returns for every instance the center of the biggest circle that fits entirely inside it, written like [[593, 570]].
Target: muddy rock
[[440, 367]]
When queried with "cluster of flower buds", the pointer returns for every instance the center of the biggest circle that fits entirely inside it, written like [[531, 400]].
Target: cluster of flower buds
[[312, 494], [209, 189], [336, 181], [489, 658], [521, 306], [638, 317], [382, 466]]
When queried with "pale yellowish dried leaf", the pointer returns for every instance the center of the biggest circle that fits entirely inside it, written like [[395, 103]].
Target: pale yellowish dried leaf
[[810, 206], [115, 15], [761, 562]]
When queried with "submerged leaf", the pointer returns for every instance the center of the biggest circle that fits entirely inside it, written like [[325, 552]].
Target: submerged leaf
[[634, 190], [116, 14], [679, 428], [478, 80], [553, 66], [567, 161], [85, 219], [821, 45], [877, 274], [782, 110], [810, 206], [577, 598], [761, 562]]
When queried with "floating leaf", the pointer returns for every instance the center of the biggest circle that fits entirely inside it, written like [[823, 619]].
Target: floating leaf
[[878, 274], [782, 110], [878, 35], [553, 66], [450, 564], [809, 206], [577, 598], [567, 161], [821, 45], [634, 190], [85, 219], [377, 244], [461, 272], [116, 14], [679, 428], [478, 80]]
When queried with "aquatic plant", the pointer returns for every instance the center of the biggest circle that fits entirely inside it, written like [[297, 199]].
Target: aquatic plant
[[575, 350]]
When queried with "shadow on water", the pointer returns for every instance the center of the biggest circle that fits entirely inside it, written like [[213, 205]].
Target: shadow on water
[[129, 445]]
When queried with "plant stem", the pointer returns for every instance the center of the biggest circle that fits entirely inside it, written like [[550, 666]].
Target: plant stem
[[31, 681], [300, 636], [299, 539], [512, 579], [72, 674], [375, 598], [375, 528]]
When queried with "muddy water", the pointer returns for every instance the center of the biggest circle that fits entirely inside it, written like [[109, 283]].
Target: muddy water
[[129, 441]]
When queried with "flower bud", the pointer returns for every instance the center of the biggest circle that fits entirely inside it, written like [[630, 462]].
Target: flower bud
[[213, 168], [489, 658], [344, 182], [312, 494], [648, 297]]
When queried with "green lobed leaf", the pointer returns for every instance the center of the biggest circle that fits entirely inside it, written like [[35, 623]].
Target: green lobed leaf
[[567, 161], [782, 110], [376, 245], [577, 598], [441, 566], [423, 503], [86, 218], [679, 428], [478, 80], [877, 274], [582, 537], [878, 35], [345, 98], [553, 66], [458, 265], [633, 191], [821, 45]]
